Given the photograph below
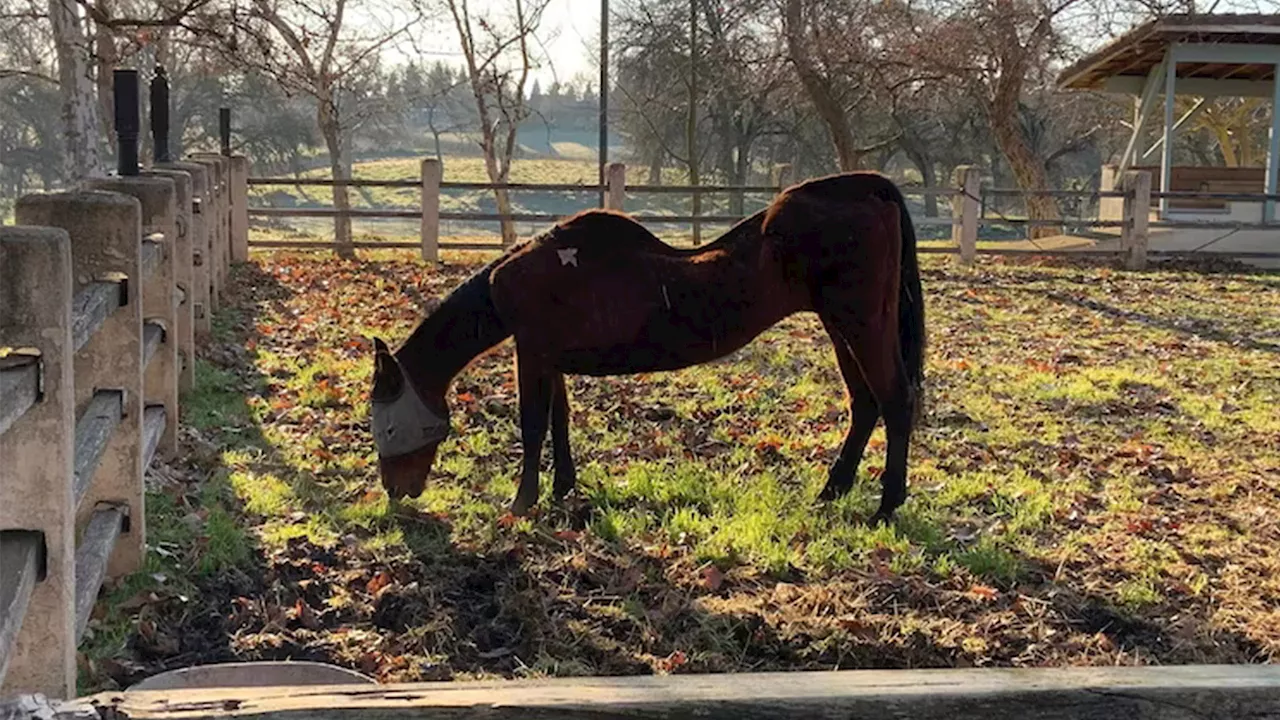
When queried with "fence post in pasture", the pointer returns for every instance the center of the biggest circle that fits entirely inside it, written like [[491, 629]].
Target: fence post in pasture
[[429, 233], [239, 197], [106, 243], [616, 181], [37, 452], [215, 218], [198, 238], [182, 276], [1137, 213], [1110, 208], [783, 176], [159, 199], [965, 207]]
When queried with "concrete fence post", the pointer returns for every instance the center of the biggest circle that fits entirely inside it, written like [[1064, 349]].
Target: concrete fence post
[[1137, 213], [966, 208], [616, 184], [182, 276], [432, 172], [106, 241], [216, 218], [158, 197], [201, 308], [239, 194], [37, 453]]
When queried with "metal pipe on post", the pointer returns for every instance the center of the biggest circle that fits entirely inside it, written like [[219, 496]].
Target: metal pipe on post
[[128, 121], [604, 97], [224, 130], [691, 130], [160, 116]]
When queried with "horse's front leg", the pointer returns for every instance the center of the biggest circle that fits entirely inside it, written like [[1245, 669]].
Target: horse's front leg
[[565, 474], [536, 390]]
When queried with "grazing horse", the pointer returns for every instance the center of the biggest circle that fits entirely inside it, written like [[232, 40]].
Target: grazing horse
[[598, 294]]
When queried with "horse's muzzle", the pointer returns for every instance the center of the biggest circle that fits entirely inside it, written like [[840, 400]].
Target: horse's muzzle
[[406, 475]]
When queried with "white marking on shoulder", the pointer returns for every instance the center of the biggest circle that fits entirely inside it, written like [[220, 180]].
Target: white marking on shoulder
[[568, 256]]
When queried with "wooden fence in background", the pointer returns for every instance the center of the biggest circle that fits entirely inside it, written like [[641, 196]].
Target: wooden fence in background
[[1125, 206]]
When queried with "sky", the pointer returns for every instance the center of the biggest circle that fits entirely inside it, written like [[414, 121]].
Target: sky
[[568, 35]]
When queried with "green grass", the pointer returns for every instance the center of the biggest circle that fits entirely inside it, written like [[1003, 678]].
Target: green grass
[[1088, 486]]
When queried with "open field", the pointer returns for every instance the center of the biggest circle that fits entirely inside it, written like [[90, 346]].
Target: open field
[[1097, 481]]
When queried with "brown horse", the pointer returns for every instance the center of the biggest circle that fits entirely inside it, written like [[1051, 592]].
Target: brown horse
[[598, 294]]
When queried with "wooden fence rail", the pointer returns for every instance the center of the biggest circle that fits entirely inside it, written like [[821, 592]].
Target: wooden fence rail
[[1132, 200], [1121, 201], [1202, 692], [103, 292]]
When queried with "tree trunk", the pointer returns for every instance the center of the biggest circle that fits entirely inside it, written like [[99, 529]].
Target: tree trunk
[[80, 133], [106, 58], [818, 89], [924, 164], [1028, 173], [655, 164], [327, 120]]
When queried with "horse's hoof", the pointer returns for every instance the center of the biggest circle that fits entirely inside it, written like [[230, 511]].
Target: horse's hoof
[[881, 518], [562, 489], [521, 506], [831, 493]]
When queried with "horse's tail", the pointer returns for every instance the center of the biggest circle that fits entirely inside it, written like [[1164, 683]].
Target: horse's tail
[[911, 332]]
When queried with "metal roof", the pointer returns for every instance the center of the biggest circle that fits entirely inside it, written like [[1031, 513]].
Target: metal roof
[[1138, 51]]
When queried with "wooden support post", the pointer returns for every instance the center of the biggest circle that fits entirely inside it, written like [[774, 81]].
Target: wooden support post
[[1137, 212], [1166, 156], [106, 239], [1110, 208], [182, 275], [783, 176], [201, 308], [965, 206], [158, 196], [1272, 181], [432, 172], [239, 196], [616, 182], [37, 452]]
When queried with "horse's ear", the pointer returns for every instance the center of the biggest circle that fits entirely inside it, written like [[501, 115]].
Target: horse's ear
[[379, 347]]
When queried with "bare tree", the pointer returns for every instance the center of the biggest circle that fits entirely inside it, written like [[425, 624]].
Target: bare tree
[[499, 59], [81, 127], [324, 49], [833, 48]]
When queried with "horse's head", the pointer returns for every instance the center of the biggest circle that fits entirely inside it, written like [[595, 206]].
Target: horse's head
[[407, 428]]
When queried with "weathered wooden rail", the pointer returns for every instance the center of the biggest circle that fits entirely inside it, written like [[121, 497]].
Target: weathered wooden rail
[[1125, 203], [1197, 692], [103, 291]]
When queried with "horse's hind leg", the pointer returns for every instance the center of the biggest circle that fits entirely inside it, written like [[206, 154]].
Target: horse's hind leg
[[874, 343], [562, 456], [864, 414], [536, 386]]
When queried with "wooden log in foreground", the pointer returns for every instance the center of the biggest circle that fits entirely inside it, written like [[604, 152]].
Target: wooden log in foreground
[[1168, 693]]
